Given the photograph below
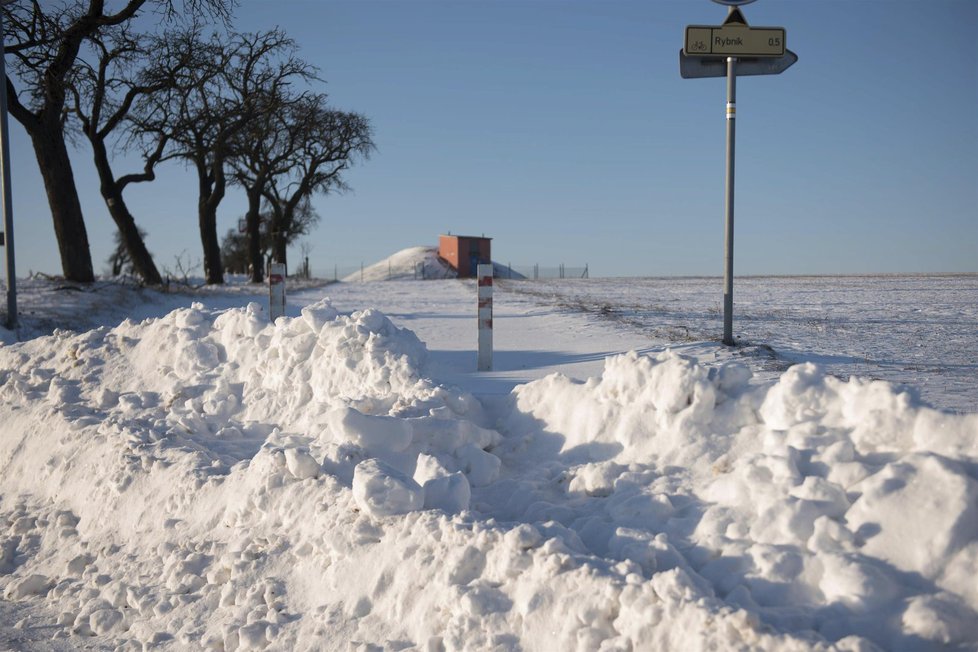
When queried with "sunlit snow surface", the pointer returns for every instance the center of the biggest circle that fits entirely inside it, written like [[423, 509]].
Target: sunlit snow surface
[[344, 479], [919, 331]]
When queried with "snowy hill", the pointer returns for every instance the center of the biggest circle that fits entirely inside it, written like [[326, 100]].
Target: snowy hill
[[410, 263], [203, 479], [416, 263]]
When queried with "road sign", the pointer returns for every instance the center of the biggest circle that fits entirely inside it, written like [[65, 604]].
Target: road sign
[[734, 40], [697, 67], [731, 49]]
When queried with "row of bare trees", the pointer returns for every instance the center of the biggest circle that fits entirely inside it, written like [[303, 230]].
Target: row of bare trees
[[237, 109]]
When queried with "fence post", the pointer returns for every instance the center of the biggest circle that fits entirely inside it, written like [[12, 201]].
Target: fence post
[[484, 273]]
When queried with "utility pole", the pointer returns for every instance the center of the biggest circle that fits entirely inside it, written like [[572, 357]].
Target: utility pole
[[5, 190]]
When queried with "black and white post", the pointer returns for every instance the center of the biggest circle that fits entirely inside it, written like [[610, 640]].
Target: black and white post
[[484, 274]]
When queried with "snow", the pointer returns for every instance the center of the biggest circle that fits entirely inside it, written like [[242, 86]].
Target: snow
[[411, 263], [195, 477]]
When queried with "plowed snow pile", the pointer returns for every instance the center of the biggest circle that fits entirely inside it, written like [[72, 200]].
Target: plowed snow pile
[[208, 480]]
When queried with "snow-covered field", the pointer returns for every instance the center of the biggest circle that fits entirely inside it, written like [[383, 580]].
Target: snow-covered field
[[197, 478], [918, 331]]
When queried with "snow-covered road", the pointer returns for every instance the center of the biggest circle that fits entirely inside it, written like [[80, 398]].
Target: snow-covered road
[[918, 331]]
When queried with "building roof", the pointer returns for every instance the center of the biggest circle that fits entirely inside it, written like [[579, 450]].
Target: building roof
[[469, 237]]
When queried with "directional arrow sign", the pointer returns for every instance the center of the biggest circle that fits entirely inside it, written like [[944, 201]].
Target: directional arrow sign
[[696, 67], [734, 40]]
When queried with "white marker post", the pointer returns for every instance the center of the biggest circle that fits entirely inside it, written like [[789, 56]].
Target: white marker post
[[276, 291], [484, 273]]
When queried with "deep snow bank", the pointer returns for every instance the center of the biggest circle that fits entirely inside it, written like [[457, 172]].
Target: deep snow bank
[[814, 503], [209, 480]]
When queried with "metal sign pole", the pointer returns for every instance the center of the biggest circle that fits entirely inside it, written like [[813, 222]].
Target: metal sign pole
[[8, 205], [748, 51], [728, 244]]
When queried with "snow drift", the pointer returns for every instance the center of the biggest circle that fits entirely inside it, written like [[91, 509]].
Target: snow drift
[[208, 480], [411, 263]]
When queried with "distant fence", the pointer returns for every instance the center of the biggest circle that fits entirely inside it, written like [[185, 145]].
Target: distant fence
[[381, 272], [535, 271], [421, 271]]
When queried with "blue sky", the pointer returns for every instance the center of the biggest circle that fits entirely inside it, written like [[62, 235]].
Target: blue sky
[[563, 130]]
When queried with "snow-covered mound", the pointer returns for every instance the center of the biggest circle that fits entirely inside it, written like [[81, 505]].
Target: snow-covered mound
[[417, 263], [208, 480], [411, 263]]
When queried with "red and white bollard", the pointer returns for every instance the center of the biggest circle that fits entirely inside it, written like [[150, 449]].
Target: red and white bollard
[[276, 291], [484, 272]]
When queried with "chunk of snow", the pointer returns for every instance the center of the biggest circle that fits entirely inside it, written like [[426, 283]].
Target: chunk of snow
[[104, 621], [376, 434], [381, 490], [450, 493], [301, 464], [920, 494], [33, 584]]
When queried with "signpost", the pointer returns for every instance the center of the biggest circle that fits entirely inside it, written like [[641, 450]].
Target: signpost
[[728, 50], [694, 67], [735, 40]]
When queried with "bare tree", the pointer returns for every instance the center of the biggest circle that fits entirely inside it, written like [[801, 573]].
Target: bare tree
[[234, 252], [230, 86], [304, 271], [125, 68], [304, 218], [266, 148], [327, 142], [120, 262], [44, 40]]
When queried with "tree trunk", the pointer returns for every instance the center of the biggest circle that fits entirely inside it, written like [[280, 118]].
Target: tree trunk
[[211, 193], [279, 240], [142, 260], [253, 219], [280, 248], [59, 184]]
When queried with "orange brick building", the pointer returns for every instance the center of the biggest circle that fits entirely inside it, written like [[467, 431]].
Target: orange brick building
[[464, 252]]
